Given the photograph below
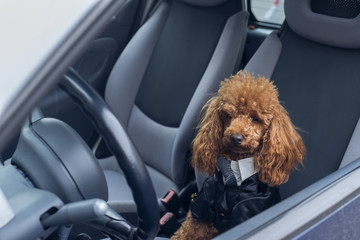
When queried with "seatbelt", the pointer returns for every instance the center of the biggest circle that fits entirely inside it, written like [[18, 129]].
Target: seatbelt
[[353, 150], [149, 7], [265, 58]]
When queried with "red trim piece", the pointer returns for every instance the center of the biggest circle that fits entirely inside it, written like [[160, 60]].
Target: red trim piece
[[168, 196], [166, 218]]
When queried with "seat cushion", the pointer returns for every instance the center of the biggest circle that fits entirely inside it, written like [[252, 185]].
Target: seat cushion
[[120, 195]]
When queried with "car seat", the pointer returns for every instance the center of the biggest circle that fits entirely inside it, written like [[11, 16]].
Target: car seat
[[161, 81], [313, 60]]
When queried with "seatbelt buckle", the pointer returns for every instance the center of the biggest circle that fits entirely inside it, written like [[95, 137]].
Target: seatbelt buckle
[[171, 201], [169, 224]]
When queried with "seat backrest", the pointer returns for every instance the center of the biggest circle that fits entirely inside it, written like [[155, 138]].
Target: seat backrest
[[313, 61], [168, 70]]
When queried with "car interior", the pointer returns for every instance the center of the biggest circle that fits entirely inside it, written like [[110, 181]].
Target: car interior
[[155, 66]]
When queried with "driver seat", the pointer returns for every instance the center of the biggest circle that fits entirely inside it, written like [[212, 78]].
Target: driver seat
[[161, 81]]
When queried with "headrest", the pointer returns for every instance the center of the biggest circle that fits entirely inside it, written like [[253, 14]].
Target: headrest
[[337, 8], [325, 29], [205, 3]]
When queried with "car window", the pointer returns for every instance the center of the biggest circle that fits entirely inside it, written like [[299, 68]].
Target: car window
[[271, 11]]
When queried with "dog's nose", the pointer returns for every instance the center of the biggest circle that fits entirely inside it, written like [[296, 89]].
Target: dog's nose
[[236, 139]]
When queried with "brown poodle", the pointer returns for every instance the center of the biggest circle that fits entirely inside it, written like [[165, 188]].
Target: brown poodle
[[245, 119]]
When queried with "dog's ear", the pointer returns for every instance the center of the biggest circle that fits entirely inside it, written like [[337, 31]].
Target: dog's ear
[[207, 143], [282, 150]]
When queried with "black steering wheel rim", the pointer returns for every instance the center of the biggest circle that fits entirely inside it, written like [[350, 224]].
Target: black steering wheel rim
[[120, 144]]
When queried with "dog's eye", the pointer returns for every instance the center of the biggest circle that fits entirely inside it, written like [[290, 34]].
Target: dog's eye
[[226, 115], [255, 119]]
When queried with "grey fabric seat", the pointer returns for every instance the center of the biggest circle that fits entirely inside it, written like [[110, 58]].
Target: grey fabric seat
[[161, 81], [314, 60]]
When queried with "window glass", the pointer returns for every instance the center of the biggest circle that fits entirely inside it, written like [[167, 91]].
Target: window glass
[[268, 10]]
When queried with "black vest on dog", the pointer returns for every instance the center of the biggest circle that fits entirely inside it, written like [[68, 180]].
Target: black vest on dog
[[227, 205]]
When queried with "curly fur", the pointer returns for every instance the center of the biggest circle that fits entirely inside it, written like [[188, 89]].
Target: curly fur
[[250, 107], [246, 106], [193, 229]]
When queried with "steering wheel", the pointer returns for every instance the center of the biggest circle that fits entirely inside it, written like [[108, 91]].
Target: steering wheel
[[122, 147]]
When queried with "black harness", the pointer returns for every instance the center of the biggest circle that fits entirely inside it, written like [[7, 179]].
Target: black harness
[[226, 204]]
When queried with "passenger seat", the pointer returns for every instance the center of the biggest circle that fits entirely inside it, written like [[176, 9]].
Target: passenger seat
[[314, 61]]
